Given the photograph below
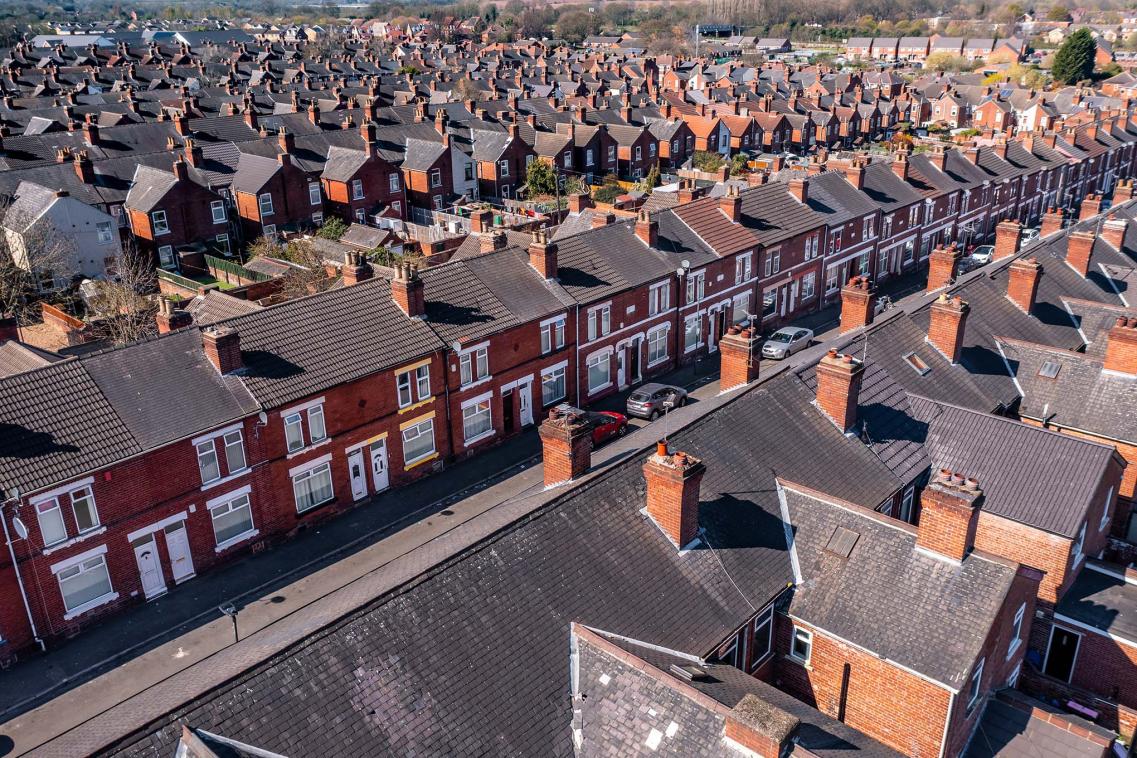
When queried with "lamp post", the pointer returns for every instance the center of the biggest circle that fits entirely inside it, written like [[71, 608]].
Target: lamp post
[[230, 610]]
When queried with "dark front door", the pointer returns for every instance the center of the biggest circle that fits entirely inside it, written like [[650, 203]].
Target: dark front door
[[507, 411], [1062, 653]]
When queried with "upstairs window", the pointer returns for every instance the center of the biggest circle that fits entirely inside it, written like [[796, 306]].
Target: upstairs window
[[552, 335], [474, 365], [264, 203], [217, 208], [393, 182], [412, 381], [158, 220], [106, 235], [801, 647], [599, 322], [356, 189], [314, 197], [294, 423]]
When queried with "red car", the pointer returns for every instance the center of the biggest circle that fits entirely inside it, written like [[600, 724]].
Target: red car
[[605, 424]]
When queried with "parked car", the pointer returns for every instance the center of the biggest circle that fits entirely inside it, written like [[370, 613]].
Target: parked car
[[982, 255], [786, 341], [605, 424], [1030, 234], [651, 400]]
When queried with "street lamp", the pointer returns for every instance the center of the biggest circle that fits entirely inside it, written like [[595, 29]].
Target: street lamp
[[230, 609]]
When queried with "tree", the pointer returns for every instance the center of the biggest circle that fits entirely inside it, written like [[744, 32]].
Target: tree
[[707, 161], [1074, 61], [332, 229], [1058, 13], [308, 275], [38, 253], [574, 26], [123, 307], [944, 61], [651, 181], [541, 179]]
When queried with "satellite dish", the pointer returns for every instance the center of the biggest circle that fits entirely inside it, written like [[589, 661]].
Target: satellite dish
[[21, 529], [456, 346], [262, 417], [686, 264]]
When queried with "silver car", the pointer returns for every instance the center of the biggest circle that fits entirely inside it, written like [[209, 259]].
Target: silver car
[[786, 341], [651, 400]]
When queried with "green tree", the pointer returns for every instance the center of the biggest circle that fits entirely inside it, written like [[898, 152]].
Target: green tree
[[574, 26], [541, 179], [1058, 13], [1074, 61], [332, 229]]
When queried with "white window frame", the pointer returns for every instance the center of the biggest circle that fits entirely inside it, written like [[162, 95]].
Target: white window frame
[[654, 337], [696, 286], [105, 230], [552, 334], [95, 557], [315, 195], [480, 404], [44, 507], [415, 430], [159, 222], [435, 177], [264, 205], [762, 620], [742, 267], [474, 364], [296, 421], [234, 439], [1107, 510], [594, 361], [697, 320], [206, 450], [393, 182], [226, 502], [319, 466], [316, 418], [222, 241], [658, 298], [599, 321], [559, 374], [1017, 627], [356, 189], [217, 208], [503, 169], [806, 636], [975, 684]]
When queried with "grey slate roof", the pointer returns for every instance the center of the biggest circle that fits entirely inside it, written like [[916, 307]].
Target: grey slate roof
[[1102, 601], [1030, 475], [1008, 732], [885, 577]]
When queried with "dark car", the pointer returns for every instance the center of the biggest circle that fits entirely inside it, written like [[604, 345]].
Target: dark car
[[652, 400]]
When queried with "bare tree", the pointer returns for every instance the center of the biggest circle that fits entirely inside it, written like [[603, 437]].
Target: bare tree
[[35, 257], [308, 273], [122, 308]]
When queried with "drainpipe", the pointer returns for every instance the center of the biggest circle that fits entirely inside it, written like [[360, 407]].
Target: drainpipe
[[576, 357], [20, 582]]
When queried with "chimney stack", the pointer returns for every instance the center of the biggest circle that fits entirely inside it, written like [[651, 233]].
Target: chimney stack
[[739, 362], [858, 303], [407, 291], [1008, 237], [222, 346], [949, 515], [491, 240], [1052, 221], [647, 229], [799, 188], [170, 318], [543, 255], [1091, 206], [900, 165], [181, 172], [731, 204], [761, 727], [84, 169], [1121, 347], [481, 220], [9, 328], [942, 267], [855, 172], [602, 218], [1113, 232], [673, 493], [566, 447], [1123, 192], [947, 320], [356, 269], [839, 388], [1079, 248], [578, 201], [1022, 282]]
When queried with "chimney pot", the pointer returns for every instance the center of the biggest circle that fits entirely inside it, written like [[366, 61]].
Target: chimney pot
[[1091, 206], [839, 388]]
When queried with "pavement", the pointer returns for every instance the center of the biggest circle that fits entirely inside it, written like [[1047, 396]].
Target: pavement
[[81, 694]]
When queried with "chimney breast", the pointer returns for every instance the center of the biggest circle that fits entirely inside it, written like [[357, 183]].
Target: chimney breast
[[1113, 232], [731, 204], [222, 346], [356, 269], [407, 291], [647, 229], [170, 318], [839, 388], [1022, 284], [1008, 237], [1121, 347], [858, 302], [1091, 206], [949, 515], [566, 447], [673, 494], [1079, 248], [761, 727], [740, 350], [941, 267], [947, 319], [543, 255], [1052, 221]]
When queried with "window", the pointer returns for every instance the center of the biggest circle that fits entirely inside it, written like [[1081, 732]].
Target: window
[[611, 153], [435, 177], [166, 256], [674, 147], [418, 441], [316, 431], [976, 685], [474, 365], [802, 645], [917, 363], [232, 520], [408, 382], [656, 347], [314, 193], [393, 182], [768, 269], [222, 242], [812, 243], [84, 584], [294, 431], [51, 525], [158, 220], [1076, 550], [356, 189], [906, 505], [360, 215], [477, 420], [264, 202], [1106, 511], [886, 232], [867, 230], [658, 298], [599, 374], [106, 234], [588, 159], [769, 303], [234, 451], [692, 332], [696, 283], [808, 285], [740, 308], [313, 487], [503, 168], [760, 641], [469, 172], [599, 322], [552, 335], [217, 208], [553, 386], [913, 215], [742, 268], [651, 149], [207, 462], [1017, 631], [567, 158], [639, 153], [318, 219]]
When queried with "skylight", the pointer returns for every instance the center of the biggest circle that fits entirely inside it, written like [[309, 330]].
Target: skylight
[[917, 363]]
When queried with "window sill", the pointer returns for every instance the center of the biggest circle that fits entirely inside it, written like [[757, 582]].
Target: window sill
[[419, 461], [74, 540], [308, 449], [478, 438], [415, 406], [476, 383], [594, 390], [225, 479], [311, 508], [223, 546], [653, 364], [90, 606], [804, 664]]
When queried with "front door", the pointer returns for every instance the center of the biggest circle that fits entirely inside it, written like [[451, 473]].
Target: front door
[[635, 354], [621, 362], [379, 465], [177, 545], [358, 475], [149, 567], [507, 417], [525, 396], [1061, 653]]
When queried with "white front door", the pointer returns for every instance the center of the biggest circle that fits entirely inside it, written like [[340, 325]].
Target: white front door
[[150, 568], [177, 545], [621, 359], [358, 475], [525, 397], [379, 465]]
